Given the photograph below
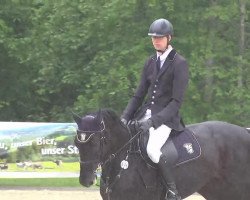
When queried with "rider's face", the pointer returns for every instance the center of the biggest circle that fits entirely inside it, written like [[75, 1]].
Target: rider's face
[[160, 43]]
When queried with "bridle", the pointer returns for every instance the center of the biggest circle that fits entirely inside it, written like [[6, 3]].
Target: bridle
[[109, 186], [102, 140], [83, 140]]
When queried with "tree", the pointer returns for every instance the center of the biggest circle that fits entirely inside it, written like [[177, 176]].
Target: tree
[[58, 56]]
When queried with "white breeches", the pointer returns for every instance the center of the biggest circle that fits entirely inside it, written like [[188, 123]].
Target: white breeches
[[157, 138]]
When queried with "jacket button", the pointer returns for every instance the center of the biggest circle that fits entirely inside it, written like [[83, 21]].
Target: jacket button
[[154, 91], [152, 102]]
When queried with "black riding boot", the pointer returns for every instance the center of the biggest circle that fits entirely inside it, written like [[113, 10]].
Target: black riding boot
[[166, 171]]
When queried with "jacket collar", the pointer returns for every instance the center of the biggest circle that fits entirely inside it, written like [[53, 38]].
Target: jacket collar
[[168, 61]]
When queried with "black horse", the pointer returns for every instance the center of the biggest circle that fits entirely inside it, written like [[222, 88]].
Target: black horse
[[222, 171]]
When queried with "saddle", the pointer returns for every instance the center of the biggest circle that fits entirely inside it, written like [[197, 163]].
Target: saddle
[[185, 142]]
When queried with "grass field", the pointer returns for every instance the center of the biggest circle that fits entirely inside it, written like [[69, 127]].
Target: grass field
[[40, 182], [48, 166], [43, 182]]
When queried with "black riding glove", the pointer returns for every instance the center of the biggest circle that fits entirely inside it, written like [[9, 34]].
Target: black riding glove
[[145, 125]]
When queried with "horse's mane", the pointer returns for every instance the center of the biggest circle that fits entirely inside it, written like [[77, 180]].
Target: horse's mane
[[109, 114]]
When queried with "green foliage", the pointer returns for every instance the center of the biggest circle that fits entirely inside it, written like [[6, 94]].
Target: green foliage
[[58, 56]]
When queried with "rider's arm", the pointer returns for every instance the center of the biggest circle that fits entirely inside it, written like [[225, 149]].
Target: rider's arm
[[138, 98]]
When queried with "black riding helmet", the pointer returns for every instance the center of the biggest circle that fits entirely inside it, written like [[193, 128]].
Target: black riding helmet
[[161, 27]]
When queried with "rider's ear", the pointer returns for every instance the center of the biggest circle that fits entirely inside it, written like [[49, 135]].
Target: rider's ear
[[77, 118]]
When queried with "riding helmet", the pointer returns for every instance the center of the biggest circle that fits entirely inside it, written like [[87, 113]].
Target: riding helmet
[[161, 27]]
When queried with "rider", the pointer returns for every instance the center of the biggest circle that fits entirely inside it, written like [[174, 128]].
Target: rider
[[163, 82]]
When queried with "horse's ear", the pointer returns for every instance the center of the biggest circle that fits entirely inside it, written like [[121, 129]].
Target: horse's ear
[[77, 118]]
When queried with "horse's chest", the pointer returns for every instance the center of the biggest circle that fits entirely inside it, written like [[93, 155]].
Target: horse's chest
[[134, 183]]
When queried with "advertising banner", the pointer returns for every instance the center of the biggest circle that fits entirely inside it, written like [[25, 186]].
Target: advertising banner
[[43, 147]]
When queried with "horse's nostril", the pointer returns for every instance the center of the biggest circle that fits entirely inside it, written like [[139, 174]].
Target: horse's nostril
[[86, 183]]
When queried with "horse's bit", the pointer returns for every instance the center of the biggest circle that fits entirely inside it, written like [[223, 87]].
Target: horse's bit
[[124, 163]]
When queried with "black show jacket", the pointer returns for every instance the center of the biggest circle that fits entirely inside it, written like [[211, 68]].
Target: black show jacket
[[162, 92]]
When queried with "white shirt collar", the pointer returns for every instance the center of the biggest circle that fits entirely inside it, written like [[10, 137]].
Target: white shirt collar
[[165, 54]]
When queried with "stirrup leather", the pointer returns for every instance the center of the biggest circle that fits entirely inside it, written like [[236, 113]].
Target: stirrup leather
[[171, 195]]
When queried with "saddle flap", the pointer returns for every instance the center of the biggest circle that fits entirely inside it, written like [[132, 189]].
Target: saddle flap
[[185, 142], [187, 146]]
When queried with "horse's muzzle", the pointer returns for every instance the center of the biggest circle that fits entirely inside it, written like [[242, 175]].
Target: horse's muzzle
[[87, 180], [86, 183]]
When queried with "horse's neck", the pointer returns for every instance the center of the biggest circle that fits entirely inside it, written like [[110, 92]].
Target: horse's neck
[[118, 140], [118, 152], [112, 169]]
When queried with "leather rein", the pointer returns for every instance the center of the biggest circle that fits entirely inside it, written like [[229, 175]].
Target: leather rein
[[102, 139], [124, 163]]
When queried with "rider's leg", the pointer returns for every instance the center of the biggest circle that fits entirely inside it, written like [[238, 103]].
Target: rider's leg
[[166, 163], [157, 138]]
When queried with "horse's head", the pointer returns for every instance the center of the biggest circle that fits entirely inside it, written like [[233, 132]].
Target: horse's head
[[93, 139]]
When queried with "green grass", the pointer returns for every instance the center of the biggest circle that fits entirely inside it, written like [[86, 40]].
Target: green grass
[[61, 138], [48, 166], [42, 182]]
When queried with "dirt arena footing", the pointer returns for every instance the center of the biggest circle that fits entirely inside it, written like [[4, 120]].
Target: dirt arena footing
[[18, 193]]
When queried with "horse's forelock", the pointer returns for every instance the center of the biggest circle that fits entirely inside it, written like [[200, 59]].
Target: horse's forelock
[[93, 121], [90, 123]]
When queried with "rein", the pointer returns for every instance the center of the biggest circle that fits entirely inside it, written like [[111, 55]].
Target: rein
[[83, 139], [112, 156], [124, 163]]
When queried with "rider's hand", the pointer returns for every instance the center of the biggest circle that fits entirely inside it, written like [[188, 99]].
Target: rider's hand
[[124, 121], [146, 125]]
